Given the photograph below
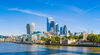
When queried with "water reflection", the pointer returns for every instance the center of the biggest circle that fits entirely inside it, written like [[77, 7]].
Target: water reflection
[[20, 49]]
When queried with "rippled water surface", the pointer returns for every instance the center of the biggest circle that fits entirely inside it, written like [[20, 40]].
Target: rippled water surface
[[20, 49]]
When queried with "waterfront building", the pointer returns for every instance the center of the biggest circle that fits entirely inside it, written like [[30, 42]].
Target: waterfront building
[[68, 41], [2, 38], [36, 36], [30, 28], [49, 19], [22, 38], [85, 36]]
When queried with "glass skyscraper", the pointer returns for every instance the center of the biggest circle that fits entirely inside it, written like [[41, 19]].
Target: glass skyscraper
[[49, 19], [65, 30], [52, 27], [61, 30], [57, 29], [30, 28]]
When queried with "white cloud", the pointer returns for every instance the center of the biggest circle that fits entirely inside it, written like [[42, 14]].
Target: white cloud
[[76, 9], [29, 12], [92, 8], [81, 11]]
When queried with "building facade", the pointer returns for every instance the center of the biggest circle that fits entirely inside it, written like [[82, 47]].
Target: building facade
[[49, 19], [65, 30], [52, 27], [61, 30], [57, 29], [30, 28]]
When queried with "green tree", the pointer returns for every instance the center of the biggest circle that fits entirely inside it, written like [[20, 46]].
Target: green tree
[[90, 36], [65, 37], [43, 38], [71, 37], [53, 40], [57, 39], [48, 39], [80, 36], [97, 38]]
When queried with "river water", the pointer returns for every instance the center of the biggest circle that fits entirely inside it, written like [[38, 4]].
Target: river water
[[21, 49]]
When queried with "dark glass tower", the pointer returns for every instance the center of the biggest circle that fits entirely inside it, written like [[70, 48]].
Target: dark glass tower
[[52, 27], [64, 30], [61, 30], [57, 28], [49, 19]]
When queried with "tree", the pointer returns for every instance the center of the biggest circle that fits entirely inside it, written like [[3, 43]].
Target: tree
[[57, 39], [53, 40], [43, 38], [90, 36], [48, 39], [97, 38], [65, 37], [80, 36], [71, 37]]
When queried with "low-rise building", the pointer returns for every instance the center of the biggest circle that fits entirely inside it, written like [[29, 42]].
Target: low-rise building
[[2, 38], [68, 41]]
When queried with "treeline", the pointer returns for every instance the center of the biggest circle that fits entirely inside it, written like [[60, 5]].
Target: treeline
[[91, 37], [57, 39], [94, 38], [52, 39], [73, 37]]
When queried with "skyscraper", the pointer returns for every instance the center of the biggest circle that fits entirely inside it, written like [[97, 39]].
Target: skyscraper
[[30, 28], [52, 27], [57, 29], [61, 30], [49, 19], [65, 30]]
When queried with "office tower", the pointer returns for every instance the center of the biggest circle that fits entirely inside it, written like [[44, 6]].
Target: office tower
[[57, 29], [69, 33], [61, 30], [52, 27], [64, 30], [49, 19], [30, 28]]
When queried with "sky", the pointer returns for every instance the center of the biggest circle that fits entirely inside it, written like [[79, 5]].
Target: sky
[[78, 15]]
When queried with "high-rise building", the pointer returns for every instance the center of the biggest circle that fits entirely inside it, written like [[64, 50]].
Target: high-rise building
[[61, 30], [65, 30], [49, 19], [57, 29], [52, 27], [30, 28]]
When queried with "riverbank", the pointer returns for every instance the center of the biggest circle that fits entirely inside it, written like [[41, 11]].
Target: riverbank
[[78, 45], [8, 48]]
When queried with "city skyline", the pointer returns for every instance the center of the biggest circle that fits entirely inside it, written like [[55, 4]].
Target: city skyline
[[77, 16]]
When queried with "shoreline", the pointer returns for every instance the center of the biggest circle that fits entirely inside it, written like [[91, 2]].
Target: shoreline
[[58, 44]]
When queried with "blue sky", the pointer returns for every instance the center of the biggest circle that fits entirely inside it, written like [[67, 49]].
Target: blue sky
[[78, 15]]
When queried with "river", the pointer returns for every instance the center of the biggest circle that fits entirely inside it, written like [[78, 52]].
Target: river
[[21, 49]]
